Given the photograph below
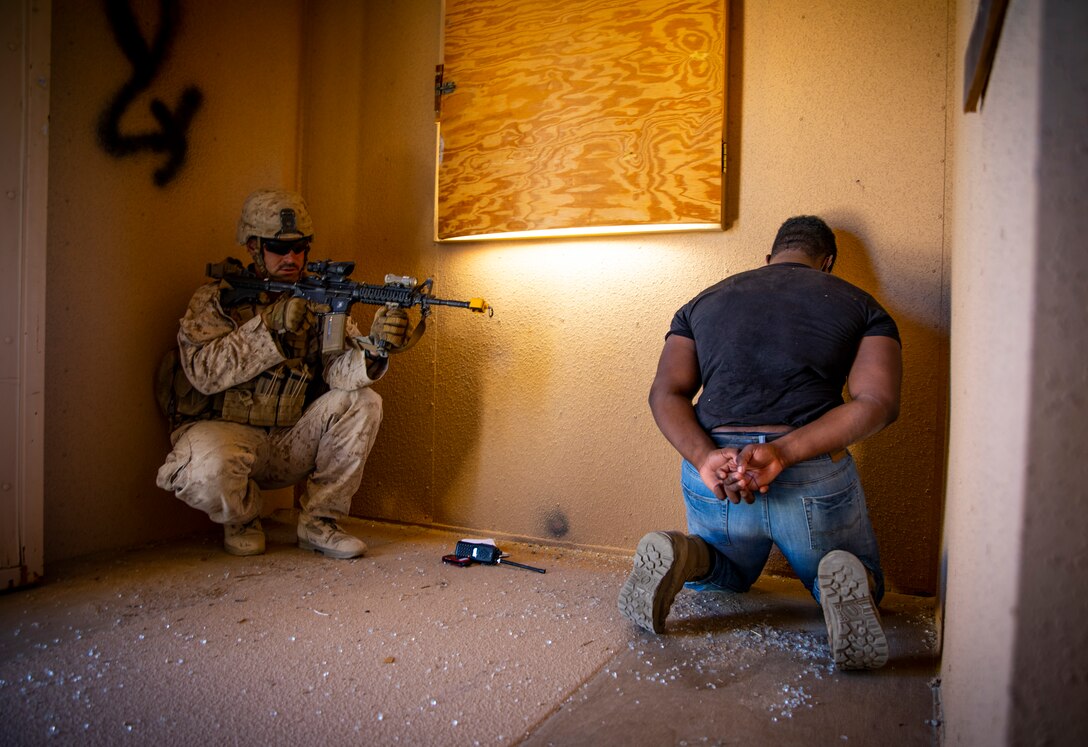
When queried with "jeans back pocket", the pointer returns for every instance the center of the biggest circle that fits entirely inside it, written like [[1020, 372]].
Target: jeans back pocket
[[833, 519]]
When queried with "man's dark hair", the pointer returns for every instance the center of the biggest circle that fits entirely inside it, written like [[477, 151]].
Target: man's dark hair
[[806, 233]]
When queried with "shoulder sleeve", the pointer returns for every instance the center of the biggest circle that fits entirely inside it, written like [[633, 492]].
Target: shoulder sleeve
[[204, 319], [681, 323], [880, 322]]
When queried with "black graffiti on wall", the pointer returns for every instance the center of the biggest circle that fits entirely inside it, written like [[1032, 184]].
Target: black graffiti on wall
[[147, 60]]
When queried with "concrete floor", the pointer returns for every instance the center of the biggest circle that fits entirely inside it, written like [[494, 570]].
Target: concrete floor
[[180, 644]]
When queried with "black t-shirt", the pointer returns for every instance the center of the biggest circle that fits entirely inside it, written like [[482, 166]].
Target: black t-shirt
[[775, 344]]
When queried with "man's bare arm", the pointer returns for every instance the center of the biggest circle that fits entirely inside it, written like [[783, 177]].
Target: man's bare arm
[[675, 385], [874, 386]]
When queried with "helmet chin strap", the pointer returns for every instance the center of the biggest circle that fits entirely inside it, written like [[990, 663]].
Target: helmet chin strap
[[258, 256]]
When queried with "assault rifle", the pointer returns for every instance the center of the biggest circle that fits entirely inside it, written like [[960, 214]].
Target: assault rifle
[[328, 284]]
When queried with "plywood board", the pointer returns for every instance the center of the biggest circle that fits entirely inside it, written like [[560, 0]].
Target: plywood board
[[584, 113]]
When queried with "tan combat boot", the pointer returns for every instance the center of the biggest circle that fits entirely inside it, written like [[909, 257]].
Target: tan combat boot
[[664, 561], [324, 535], [244, 539], [854, 632]]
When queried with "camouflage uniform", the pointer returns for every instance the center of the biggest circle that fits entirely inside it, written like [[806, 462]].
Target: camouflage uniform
[[221, 459]]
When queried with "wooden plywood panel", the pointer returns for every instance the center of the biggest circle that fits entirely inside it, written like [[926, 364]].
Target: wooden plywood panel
[[581, 113]]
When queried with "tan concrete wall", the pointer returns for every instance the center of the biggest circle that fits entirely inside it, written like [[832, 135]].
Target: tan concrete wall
[[532, 423], [1015, 640], [991, 320], [1051, 652], [124, 254]]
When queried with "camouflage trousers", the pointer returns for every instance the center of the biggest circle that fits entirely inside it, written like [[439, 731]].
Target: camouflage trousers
[[220, 467]]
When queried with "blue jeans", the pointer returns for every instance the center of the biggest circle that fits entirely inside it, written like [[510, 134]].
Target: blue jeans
[[812, 508]]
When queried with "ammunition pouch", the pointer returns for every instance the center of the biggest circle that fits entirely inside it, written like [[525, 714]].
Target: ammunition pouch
[[178, 399], [275, 398]]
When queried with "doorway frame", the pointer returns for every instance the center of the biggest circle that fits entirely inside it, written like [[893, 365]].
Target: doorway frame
[[24, 173]]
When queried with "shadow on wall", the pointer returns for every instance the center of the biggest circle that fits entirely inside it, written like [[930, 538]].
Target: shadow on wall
[[906, 509], [431, 427], [734, 100]]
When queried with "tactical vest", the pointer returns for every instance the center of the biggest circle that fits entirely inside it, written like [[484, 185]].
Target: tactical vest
[[278, 396], [178, 399]]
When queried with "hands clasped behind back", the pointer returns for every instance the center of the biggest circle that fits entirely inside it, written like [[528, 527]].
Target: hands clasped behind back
[[737, 475], [714, 469]]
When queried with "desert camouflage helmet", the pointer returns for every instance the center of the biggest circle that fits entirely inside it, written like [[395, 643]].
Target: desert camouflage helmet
[[274, 214]]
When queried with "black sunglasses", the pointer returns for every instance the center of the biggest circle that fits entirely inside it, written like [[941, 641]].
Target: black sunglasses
[[281, 248]]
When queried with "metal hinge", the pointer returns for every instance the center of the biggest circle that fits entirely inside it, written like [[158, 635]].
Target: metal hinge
[[441, 88], [723, 156]]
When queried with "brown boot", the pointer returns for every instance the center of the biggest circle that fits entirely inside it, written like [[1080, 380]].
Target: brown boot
[[854, 632], [324, 535], [664, 561], [244, 539]]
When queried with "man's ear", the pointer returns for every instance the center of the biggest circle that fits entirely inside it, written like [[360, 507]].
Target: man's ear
[[768, 259]]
